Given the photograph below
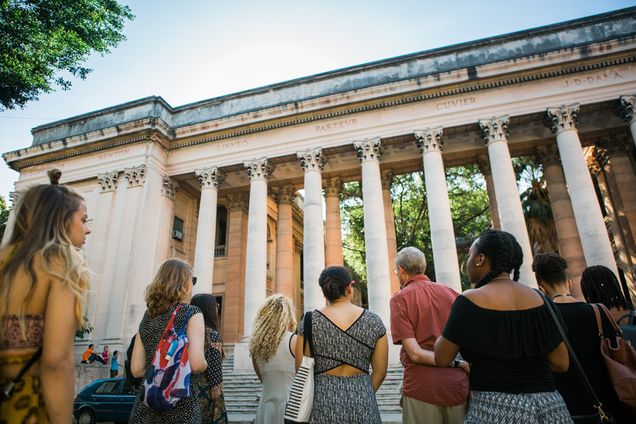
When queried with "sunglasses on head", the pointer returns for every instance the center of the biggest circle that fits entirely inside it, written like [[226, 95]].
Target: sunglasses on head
[[194, 281]]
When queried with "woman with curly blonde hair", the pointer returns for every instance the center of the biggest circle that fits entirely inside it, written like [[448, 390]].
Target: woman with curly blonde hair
[[271, 347], [43, 280], [171, 288]]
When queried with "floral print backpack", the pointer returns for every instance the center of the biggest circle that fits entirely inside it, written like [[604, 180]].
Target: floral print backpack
[[167, 381]]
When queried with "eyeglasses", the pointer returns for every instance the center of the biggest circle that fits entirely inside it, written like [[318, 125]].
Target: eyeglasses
[[194, 281]]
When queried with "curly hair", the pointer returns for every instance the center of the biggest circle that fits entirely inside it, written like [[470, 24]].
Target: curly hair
[[272, 320], [600, 285], [550, 268], [504, 253], [170, 286], [41, 233]]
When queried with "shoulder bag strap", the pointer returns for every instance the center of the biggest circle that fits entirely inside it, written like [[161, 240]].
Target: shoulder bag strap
[[8, 389], [597, 403], [308, 334]]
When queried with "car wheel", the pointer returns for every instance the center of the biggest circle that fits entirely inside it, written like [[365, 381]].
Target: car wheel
[[85, 416]]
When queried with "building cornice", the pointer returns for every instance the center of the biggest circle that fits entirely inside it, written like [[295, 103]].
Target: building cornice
[[158, 129]]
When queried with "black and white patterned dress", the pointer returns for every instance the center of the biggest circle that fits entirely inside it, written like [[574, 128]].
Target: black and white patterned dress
[[344, 399], [186, 410]]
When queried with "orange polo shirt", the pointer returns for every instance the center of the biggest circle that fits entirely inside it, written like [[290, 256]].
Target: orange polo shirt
[[420, 311]]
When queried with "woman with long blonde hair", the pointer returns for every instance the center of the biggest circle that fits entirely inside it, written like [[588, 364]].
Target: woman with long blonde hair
[[271, 347], [43, 280], [170, 288]]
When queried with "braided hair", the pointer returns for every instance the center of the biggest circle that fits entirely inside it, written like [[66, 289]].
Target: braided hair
[[550, 268], [600, 285], [504, 253]]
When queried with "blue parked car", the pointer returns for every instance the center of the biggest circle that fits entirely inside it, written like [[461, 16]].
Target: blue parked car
[[108, 399]]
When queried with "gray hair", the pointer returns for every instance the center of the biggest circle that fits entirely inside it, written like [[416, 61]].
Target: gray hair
[[412, 260]]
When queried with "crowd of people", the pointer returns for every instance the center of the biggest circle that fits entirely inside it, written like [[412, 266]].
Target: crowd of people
[[492, 354]]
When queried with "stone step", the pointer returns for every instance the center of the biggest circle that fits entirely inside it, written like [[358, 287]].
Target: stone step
[[243, 390]]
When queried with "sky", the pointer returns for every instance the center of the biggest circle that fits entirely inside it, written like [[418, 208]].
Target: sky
[[195, 50]]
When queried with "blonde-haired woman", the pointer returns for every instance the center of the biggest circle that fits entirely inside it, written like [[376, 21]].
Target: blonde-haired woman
[[43, 279], [271, 347], [171, 287]]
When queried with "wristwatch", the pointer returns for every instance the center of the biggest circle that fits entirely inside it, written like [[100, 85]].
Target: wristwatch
[[455, 363]]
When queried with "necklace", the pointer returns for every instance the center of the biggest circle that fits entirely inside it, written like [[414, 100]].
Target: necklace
[[500, 278], [560, 295]]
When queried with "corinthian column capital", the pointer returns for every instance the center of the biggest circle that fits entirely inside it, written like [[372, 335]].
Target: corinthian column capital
[[494, 129], [210, 177], [136, 175], [284, 195], [429, 139], [258, 169], [108, 181], [169, 187], [562, 118], [311, 159], [368, 149], [627, 108], [333, 187]]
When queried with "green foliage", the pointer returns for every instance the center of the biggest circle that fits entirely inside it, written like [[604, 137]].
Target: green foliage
[[4, 215], [536, 205], [40, 38], [469, 207]]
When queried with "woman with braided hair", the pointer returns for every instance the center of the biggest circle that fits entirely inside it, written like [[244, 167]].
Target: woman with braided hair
[[600, 285], [582, 331], [506, 332]]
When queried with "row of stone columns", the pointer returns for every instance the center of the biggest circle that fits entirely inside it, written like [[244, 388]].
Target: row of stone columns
[[577, 213]]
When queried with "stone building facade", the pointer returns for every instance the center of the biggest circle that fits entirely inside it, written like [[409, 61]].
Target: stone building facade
[[215, 181]]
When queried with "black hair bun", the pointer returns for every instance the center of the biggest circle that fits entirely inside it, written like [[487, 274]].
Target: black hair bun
[[54, 176]]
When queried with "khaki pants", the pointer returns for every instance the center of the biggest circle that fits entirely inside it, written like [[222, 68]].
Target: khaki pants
[[415, 412]]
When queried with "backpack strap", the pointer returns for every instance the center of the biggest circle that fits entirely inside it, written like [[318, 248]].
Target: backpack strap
[[184, 324]]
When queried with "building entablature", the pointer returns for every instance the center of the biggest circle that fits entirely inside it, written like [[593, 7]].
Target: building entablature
[[445, 76]]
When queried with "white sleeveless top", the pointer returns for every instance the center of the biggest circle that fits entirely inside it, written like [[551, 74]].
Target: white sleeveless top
[[278, 374]]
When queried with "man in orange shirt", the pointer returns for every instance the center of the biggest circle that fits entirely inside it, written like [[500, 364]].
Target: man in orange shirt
[[419, 311], [87, 354]]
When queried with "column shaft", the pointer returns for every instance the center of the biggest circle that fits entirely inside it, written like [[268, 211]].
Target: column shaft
[[233, 303], [441, 222], [333, 230], [285, 243], [206, 228], [391, 238], [568, 237], [256, 254], [587, 212], [314, 236], [378, 280], [509, 204]]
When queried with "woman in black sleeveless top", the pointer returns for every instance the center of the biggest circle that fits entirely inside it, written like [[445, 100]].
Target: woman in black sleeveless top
[[504, 329]]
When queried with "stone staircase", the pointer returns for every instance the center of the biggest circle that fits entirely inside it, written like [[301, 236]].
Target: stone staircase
[[242, 391]]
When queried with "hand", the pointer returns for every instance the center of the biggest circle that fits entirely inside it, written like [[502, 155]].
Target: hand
[[465, 366]]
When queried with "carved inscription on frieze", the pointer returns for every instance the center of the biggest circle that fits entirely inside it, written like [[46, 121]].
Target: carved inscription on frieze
[[336, 125], [114, 153], [592, 79], [230, 145], [453, 103], [43, 169]]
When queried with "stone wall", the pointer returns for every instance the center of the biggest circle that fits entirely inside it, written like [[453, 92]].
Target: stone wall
[[85, 373]]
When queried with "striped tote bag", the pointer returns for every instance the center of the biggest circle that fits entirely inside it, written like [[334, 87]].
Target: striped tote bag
[[301, 394]]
